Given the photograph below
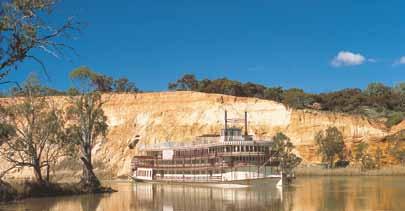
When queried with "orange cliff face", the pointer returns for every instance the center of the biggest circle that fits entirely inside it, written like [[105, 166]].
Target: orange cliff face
[[180, 116]]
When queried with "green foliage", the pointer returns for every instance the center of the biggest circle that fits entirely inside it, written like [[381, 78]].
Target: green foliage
[[378, 156], [32, 132], [72, 92], [124, 85], [377, 90], [187, 82], [346, 100], [87, 111], [90, 123], [400, 155], [7, 131], [275, 94], [19, 190], [283, 147], [394, 119], [399, 88], [7, 192], [89, 80], [376, 101], [366, 160], [397, 151], [33, 84], [297, 98], [23, 29], [360, 150], [84, 77], [368, 163], [331, 145]]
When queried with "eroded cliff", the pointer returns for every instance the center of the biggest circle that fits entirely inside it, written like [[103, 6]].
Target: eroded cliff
[[180, 116]]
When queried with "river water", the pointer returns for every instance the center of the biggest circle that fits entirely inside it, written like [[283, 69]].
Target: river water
[[307, 193]]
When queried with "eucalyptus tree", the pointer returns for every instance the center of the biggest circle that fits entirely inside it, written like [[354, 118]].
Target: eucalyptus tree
[[124, 85], [88, 123], [32, 133], [283, 147], [360, 150], [7, 132], [90, 80], [331, 144], [24, 29]]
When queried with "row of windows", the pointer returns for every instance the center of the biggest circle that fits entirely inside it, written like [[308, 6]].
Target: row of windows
[[212, 150], [179, 162], [206, 161], [249, 158], [195, 172], [238, 149], [189, 153], [144, 173], [220, 149], [197, 161]]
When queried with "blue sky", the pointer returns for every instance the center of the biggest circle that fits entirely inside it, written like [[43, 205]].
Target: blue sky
[[275, 43]]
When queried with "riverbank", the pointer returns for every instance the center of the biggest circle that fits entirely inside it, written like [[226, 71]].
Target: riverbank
[[19, 190], [349, 171]]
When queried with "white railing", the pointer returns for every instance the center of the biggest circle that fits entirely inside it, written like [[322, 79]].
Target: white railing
[[178, 145]]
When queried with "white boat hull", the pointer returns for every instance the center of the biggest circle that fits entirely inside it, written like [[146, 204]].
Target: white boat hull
[[274, 179]]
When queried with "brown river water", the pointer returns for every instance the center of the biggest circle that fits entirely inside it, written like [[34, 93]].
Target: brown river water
[[307, 193]]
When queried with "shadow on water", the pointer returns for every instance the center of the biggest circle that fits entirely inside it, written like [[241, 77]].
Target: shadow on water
[[317, 193], [88, 202]]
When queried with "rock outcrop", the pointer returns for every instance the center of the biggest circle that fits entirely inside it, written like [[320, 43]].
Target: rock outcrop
[[180, 116]]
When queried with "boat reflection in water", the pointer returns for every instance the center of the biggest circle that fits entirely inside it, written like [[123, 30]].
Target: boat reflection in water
[[307, 193], [148, 196]]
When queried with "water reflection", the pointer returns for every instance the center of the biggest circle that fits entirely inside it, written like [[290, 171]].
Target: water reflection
[[322, 193], [177, 197], [354, 193]]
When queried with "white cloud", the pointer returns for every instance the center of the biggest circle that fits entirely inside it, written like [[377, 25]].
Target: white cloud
[[347, 58], [400, 61]]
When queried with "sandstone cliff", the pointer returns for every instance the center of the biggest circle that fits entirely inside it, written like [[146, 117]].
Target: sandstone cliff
[[179, 116]]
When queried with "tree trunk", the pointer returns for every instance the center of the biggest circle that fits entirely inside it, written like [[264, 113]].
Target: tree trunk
[[38, 174], [47, 171], [89, 180], [330, 163]]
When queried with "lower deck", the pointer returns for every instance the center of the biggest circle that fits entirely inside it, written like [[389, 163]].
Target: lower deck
[[207, 176]]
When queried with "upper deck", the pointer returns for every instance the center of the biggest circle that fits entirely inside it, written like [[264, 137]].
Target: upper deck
[[229, 142], [227, 137]]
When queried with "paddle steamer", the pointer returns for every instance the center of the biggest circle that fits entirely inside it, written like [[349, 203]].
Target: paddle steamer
[[227, 158]]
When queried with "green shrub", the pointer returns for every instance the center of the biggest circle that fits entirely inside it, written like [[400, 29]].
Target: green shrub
[[7, 192], [394, 119]]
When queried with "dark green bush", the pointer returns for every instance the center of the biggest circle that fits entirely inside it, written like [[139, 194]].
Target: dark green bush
[[394, 119]]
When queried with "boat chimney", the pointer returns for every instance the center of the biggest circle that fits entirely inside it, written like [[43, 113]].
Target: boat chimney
[[226, 124], [246, 124]]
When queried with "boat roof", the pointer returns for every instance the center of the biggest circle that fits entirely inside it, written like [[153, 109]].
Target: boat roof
[[189, 146]]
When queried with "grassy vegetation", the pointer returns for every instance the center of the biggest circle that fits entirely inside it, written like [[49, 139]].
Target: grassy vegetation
[[349, 171], [18, 190]]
